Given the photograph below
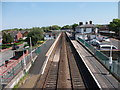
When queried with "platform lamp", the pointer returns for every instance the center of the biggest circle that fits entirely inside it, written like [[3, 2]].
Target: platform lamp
[[31, 50], [24, 61], [110, 58]]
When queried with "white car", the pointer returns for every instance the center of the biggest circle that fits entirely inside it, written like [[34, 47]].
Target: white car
[[95, 42], [107, 47], [106, 39]]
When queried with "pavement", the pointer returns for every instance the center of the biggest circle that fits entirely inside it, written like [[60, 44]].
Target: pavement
[[100, 74], [34, 71]]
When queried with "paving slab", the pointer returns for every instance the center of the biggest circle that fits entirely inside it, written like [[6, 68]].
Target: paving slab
[[99, 72]]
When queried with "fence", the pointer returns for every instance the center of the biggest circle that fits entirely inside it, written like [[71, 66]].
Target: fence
[[9, 74], [115, 66]]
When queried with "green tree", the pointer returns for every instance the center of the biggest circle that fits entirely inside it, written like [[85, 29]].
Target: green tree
[[7, 38], [10, 38], [55, 27], [67, 27], [46, 29], [115, 26], [35, 35], [4, 37], [74, 26]]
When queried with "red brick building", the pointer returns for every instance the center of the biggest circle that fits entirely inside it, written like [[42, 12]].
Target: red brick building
[[16, 35], [19, 35]]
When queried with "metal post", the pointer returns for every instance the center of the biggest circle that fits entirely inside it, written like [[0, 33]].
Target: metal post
[[110, 58], [1, 83], [24, 61], [31, 49], [84, 36]]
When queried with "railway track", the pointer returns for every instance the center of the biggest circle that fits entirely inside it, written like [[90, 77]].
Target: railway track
[[62, 71]]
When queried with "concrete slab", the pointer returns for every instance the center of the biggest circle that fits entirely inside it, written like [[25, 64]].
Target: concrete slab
[[98, 71]]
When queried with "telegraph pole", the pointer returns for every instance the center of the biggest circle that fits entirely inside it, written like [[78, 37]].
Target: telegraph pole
[[31, 49]]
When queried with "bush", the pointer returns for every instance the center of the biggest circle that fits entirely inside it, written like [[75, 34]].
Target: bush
[[40, 42], [18, 43], [4, 46], [26, 45]]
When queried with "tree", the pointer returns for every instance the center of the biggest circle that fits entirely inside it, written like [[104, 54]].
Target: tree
[[67, 27], [55, 27], [4, 37], [74, 26], [115, 26], [7, 38], [35, 35], [10, 38]]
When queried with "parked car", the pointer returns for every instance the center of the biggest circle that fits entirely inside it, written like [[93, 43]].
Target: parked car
[[107, 47], [94, 42], [106, 39]]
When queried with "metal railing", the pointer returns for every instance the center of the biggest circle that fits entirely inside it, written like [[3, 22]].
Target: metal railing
[[115, 66], [11, 72]]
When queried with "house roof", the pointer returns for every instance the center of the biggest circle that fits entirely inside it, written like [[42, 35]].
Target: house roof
[[24, 31], [13, 33], [86, 26]]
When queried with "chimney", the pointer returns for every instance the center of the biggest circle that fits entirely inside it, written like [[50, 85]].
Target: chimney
[[86, 22], [80, 23], [90, 22]]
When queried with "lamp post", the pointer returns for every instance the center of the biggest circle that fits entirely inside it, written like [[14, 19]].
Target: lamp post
[[110, 58], [84, 35], [24, 61], [31, 49]]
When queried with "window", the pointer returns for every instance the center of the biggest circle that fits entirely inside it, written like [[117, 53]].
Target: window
[[85, 30]]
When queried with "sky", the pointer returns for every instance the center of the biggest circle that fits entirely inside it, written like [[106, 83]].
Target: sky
[[38, 14]]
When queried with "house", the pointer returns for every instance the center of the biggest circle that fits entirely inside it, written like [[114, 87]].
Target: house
[[50, 35], [86, 30], [0, 41], [16, 35], [24, 33]]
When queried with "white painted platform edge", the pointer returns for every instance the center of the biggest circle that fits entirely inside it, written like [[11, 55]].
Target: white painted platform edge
[[15, 80], [88, 68], [48, 55]]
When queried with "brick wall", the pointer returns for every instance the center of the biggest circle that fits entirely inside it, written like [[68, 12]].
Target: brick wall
[[19, 35]]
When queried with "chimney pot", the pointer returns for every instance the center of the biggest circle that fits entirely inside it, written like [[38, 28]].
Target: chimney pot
[[90, 22], [80, 23], [86, 22]]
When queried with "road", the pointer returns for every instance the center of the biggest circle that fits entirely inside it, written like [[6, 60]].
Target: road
[[116, 42], [36, 67]]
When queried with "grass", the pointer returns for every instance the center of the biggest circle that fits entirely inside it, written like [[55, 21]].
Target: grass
[[20, 81]]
